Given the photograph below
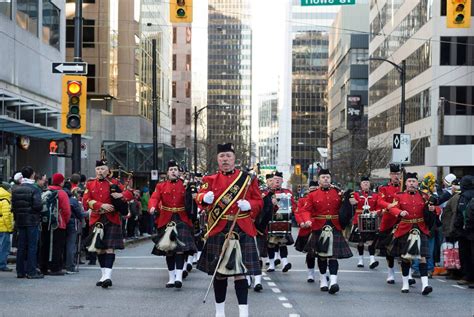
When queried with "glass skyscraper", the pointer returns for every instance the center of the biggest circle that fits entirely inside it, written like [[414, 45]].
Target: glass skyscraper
[[229, 93]]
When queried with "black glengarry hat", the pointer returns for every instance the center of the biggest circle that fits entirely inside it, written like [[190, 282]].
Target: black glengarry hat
[[364, 178], [411, 175], [278, 174], [313, 184], [172, 163], [227, 147], [324, 171], [100, 163], [269, 176], [394, 168]]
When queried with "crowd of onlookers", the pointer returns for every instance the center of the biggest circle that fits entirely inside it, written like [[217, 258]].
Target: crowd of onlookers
[[43, 222]]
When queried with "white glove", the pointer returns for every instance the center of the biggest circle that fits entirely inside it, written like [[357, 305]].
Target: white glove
[[244, 205], [208, 198]]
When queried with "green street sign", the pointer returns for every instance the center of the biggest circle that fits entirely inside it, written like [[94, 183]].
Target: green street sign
[[306, 3]]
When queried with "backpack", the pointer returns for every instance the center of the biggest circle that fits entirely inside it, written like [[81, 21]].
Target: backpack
[[50, 212]]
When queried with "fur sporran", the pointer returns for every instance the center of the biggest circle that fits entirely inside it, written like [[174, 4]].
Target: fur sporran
[[412, 251], [325, 242], [232, 263], [170, 240], [95, 240]]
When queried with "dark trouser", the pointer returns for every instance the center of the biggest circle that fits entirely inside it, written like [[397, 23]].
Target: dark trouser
[[131, 224], [283, 251], [145, 223], [26, 257], [59, 242], [466, 256], [71, 246]]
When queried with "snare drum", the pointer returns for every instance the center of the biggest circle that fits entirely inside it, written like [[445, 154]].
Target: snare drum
[[368, 222]]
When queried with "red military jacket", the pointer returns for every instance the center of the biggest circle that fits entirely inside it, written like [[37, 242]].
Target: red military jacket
[[168, 198], [387, 194], [414, 203], [299, 218], [97, 193], [218, 183], [321, 205], [360, 196]]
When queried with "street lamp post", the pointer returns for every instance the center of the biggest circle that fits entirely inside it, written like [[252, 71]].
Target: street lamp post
[[312, 156], [402, 70]]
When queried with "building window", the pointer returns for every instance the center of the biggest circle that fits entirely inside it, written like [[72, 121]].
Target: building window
[[173, 116], [91, 78], [173, 140], [174, 61], [188, 62], [51, 24], [173, 90], [188, 116], [188, 89], [188, 35], [457, 50], [88, 35], [6, 8], [175, 35], [27, 15]]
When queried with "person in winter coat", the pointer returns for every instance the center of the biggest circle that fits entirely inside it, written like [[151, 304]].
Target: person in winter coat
[[53, 239], [73, 229], [463, 230], [26, 208], [6, 225]]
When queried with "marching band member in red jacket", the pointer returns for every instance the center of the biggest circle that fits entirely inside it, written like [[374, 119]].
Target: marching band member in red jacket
[[365, 201], [222, 195], [411, 236], [98, 198], [168, 200], [321, 213]]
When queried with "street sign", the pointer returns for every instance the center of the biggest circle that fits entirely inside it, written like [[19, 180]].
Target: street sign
[[306, 3], [154, 175], [76, 68], [401, 148], [84, 151]]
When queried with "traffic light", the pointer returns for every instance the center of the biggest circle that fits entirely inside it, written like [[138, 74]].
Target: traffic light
[[181, 11], [74, 100], [458, 13], [298, 169]]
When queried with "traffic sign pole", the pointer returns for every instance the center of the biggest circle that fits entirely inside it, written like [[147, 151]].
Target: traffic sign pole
[[76, 138]]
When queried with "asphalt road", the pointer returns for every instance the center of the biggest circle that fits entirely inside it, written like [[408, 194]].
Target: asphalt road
[[139, 290]]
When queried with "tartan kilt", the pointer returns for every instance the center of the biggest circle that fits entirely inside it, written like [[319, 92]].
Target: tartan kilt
[[185, 235], [113, 237], [301, 242], [399, 246], [357, 237], [340, 248], [213, 247], [262, 245], [383, 240]]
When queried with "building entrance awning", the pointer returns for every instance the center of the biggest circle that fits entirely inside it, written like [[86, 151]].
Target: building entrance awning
[[34, 130], [25, 116]]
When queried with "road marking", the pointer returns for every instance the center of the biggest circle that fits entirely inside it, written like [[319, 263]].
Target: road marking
[[293, 315], [266, 278], [126, 268], [442, 281], [136, 257], [276, 290], [282, 298], [459, 286], [348, 271], [287, 305], [271, 284]]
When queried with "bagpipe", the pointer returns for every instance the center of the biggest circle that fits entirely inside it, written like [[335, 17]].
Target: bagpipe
[[346, 212], [119, 204]]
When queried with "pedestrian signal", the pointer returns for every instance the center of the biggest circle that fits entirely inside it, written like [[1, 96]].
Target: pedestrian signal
[[298, 169], [181, 11], [458, 13], [74, 101]]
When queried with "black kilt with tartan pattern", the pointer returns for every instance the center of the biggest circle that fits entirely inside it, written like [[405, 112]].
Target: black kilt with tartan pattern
[[185, 235], [301, 242], [262, 245], [213, 247], [357, 236], [382, 241], [340, 248], [399, 246], [113, 237]]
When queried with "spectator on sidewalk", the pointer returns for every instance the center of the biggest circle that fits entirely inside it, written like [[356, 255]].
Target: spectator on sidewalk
[[41, 181], [53, 234], [26, 208], [73, 230], [146, 220], [6, 225]]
